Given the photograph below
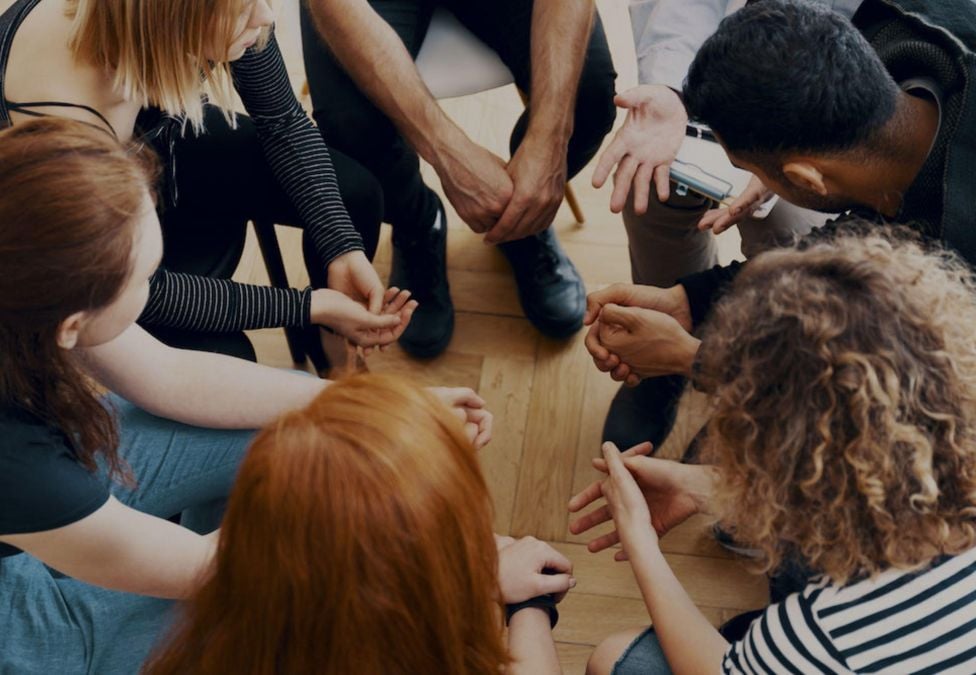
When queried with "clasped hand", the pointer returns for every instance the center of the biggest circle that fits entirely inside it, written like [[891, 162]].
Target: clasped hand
[[640, 331], [509, 201]]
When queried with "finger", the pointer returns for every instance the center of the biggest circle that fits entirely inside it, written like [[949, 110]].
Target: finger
[[621, 556], [590, 520], [603, 542], [615, 464], [621, 372], [397, 302], [547, 584], [506, 224], [390, 294], [405, 316], [625, 317], [375, 299], [622, 180], [708, 220], [484, 430], [594, 346], [662, 180], [638, 450], [632, 380], [609, 159], [642, 188], [628, 99], [554, 560], [584, 497]]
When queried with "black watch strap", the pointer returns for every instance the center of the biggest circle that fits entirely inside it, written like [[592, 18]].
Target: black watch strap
[[546, 602]]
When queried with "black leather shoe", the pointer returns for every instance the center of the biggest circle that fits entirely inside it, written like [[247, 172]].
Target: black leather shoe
[[420, 266], [550, 289], [643, 413]]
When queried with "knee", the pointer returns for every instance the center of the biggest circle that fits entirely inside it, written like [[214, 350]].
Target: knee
[[608, 652]]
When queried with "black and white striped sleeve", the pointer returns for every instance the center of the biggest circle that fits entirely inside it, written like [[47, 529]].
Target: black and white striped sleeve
[[787, 638], [295, 150], [191, 302]]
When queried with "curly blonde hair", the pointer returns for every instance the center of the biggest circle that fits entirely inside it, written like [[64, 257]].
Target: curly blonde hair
[[844, 380]]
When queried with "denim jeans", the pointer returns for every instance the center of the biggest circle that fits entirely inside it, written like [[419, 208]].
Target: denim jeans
[[51, 623]]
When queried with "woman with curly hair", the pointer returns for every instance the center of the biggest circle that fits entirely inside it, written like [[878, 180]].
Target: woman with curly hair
[[843, 378]]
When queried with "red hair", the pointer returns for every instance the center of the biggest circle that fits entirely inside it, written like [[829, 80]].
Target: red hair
[[358, 539]]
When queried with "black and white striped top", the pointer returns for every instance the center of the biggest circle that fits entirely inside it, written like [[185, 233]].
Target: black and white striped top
[[299, 160], [898, 622]]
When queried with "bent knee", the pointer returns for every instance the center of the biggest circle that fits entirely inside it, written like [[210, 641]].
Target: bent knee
[[608, 652]]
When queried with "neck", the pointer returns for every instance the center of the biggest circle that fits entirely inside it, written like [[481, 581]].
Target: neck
[[910, 135]]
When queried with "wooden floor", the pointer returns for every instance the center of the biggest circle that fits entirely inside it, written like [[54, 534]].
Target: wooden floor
[[548, 399]]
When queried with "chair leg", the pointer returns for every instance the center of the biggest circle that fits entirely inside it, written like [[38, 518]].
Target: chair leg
[[574, 204], [271, 253]]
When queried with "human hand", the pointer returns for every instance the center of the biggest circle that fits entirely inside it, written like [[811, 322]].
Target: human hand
[[672, 491], [538, 172], [354, 322], [352, 275], [644, 147], [470, 409], [719, 220], [520, 571], [672, 301], [477, 184], [643, 342]]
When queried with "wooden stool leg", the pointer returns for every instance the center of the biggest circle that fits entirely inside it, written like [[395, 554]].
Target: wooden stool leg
[[574, 204], [271, 253]]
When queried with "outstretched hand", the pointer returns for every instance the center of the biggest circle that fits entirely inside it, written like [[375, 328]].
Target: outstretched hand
[[671, 492], [643, 149]]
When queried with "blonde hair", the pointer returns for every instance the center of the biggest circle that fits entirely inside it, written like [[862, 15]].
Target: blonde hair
[[844, 378], [156, 50]]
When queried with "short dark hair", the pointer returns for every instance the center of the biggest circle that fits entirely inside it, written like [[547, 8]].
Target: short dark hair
[[781, 76]]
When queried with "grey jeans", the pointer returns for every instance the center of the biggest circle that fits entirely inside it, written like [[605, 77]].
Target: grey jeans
[[666, 245], [50, 623]]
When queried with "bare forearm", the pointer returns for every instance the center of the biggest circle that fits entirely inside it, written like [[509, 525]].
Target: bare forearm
[[376, 59], [530, 644], [199, 388], [691, 644], [560, 33]]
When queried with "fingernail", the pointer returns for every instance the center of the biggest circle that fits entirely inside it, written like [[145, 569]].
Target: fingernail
[[572, 582]]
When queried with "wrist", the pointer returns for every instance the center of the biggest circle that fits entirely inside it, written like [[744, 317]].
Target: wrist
[[701, 485], [530, 617], [319, 306]]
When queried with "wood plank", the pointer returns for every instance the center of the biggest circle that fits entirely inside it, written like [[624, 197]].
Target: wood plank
[[449, 370], [711, 582], [546, 478], [506, 386]]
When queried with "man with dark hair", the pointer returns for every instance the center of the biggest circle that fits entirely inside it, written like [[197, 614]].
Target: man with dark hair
[[875, 116], [370, 102]]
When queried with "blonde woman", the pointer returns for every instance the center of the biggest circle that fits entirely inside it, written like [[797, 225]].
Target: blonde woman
[[139, 69], [844, 437]]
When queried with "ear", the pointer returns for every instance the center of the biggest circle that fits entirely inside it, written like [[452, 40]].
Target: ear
[[69, 330], [806, 175]]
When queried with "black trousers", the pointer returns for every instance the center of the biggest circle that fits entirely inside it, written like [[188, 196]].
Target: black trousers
[[223, 181], [353, 125]]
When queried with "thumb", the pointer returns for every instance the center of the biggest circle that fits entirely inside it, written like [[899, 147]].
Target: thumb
[[379, 321], [625, 317], [375, 299], [627, 99]]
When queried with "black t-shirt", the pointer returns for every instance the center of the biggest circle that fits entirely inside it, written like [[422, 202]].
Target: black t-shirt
[[42, 485]]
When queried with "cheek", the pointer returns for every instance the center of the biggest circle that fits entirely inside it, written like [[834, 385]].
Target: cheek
[[115, 319]]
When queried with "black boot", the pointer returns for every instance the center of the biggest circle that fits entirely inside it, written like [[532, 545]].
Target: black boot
[[420, 266], [643, 413], [550, 289]]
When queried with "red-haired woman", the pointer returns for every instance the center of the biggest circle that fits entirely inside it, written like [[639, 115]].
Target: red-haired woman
[[358, 539], [79, 239]]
